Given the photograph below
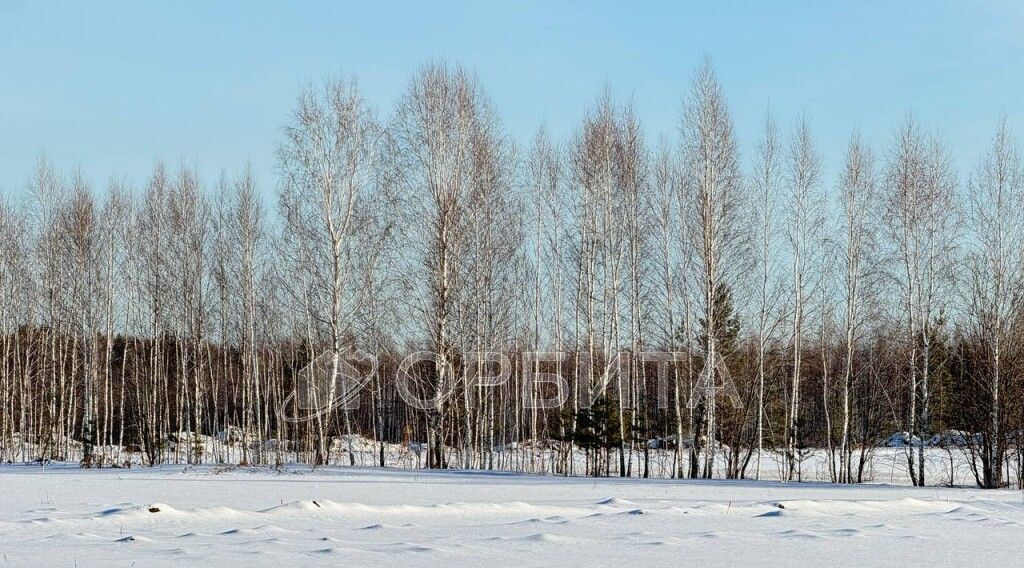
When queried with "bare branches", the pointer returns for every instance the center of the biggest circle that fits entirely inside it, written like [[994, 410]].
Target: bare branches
[[712, 207], [173, 321], [996, 273]]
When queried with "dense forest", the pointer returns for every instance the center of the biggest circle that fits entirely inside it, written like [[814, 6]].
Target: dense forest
[[637, 295]]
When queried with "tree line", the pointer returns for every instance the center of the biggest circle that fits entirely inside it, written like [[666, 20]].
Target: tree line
[[143, 317]]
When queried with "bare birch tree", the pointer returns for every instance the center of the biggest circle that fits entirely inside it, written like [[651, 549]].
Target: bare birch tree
[[996, 272], [766, 183], [803, 175], [328, 162], [858, 197], [712, 184], [922, 228], [434, 131]]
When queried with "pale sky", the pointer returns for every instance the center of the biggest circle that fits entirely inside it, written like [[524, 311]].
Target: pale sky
[[111, 86]]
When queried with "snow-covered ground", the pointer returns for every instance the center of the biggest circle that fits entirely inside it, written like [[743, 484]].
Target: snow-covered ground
[[944, 465], [60, 515]]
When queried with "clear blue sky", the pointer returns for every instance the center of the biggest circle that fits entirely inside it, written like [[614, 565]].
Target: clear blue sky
[[111, 86]]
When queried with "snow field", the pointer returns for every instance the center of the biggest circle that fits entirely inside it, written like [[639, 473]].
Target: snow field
[[206, 516]]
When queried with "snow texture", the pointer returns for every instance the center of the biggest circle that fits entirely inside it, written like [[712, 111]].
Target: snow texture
[[59, 515]]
